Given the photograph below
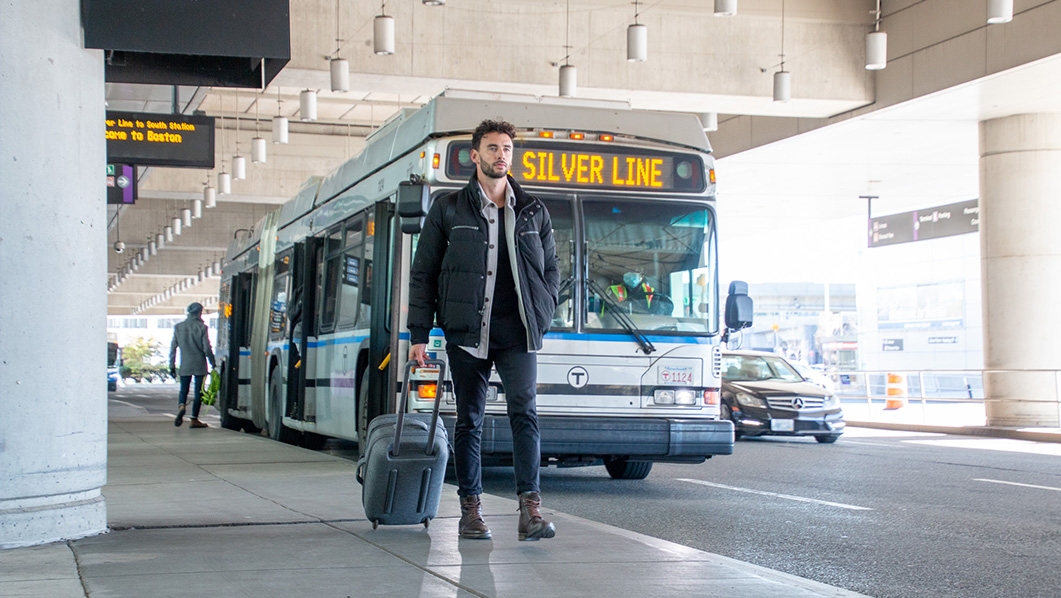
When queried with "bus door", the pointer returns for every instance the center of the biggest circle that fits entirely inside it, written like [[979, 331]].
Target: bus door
[[380, 281], [237, 378], [300, 390]]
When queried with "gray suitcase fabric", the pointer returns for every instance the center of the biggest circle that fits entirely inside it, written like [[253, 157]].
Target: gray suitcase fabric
[[403, 489]]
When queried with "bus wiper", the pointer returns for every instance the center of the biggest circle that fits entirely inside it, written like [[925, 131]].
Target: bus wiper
[[617, 311]]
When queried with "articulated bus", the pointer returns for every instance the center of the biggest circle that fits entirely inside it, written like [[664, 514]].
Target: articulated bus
[[312, 339]]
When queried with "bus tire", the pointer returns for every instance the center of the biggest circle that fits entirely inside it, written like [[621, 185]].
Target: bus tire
[[312, 441], [228, 421], [362, 413], [622, 468], [275, 413]]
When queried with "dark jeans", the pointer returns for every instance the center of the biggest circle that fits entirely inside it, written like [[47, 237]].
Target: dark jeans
[[197, 393], [519, 375]]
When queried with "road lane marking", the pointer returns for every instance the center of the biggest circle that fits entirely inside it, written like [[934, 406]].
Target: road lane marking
[[996, 444], [777, 495], [1017, 484]]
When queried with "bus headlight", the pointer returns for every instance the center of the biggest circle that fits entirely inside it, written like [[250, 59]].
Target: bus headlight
[[675, 396]]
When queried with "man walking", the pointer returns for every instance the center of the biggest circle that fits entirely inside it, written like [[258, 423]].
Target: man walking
[[191, 338], [486, 265]]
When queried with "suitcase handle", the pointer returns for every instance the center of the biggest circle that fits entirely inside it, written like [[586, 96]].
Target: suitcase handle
[[403, 403]]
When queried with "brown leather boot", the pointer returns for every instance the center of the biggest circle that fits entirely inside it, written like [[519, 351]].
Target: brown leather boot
[[531, 524], [471, 524]]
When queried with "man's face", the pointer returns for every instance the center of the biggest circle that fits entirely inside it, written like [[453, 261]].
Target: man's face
[[494, 155]]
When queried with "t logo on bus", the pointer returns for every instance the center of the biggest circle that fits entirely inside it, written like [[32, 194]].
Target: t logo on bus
[[578, 377]]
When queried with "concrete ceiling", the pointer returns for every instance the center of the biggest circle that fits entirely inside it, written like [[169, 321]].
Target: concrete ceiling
[[796, 191]]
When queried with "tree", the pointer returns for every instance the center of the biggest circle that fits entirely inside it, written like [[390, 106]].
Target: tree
[[138, 357]]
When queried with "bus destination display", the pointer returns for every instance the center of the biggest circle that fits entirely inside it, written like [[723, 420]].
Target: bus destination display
[[147, 139], [576, 165]]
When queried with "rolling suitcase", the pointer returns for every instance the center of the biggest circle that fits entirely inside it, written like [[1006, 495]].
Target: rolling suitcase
[[404, 462]]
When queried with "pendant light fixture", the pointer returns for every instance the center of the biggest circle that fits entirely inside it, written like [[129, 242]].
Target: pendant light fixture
[[709, 121], [186, 217], [178, 225], [568, 73], [636, 39], [209, 194], [340, 68], [383, 32], [307, 105], [999, 11], [119, 246], [160, 241], [239, 163], [169, 233], [279, 122], [257, 142], [876, 45], [782, 78], [224, 179], [197, 208], [725, 8]]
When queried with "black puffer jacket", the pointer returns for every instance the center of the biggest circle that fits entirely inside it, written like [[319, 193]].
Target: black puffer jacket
[[449, 272]]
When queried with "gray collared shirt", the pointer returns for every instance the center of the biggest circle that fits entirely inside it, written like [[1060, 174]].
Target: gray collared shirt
[[489, 211]]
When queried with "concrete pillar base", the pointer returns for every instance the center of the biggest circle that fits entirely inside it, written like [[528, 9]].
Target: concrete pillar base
[[28, 522]]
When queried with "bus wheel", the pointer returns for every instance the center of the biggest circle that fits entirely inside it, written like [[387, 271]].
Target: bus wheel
[[228, 421], [275, 419], [312, 441], [622, 468], [362, 414]]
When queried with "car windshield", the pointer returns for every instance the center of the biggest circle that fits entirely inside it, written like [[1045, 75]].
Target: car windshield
[[758, 367]]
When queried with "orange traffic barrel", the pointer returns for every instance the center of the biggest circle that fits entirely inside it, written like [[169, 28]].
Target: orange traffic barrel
[[895, 391]]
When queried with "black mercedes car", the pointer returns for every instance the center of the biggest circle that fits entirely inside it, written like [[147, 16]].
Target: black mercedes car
[[763, 394]]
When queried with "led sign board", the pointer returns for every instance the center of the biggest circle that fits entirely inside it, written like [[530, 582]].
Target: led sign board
[[591, 166], [160, 139]]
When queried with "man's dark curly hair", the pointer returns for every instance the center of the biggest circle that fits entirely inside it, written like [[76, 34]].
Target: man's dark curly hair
[[492, 126]]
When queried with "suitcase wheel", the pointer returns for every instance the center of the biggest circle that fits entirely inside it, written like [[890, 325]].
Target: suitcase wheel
[[375, 524], [427, 522]]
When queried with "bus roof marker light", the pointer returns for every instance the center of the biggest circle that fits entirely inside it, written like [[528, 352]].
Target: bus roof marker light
[[606, 137], [436, 161], [577, 136], [546, 134]]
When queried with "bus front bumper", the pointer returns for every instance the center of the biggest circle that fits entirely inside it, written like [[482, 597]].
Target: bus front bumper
[[643, 438]]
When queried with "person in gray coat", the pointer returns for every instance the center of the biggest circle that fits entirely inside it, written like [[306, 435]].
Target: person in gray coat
[[190, 337]]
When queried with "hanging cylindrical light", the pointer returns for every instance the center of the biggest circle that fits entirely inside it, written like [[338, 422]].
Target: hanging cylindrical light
[[160, 241], [876, 50], [197, 208], [340, 74], [152, 247], [177, 225], [209, 196], [169, 234], [144, 254], [217, 268], [782, 86], [383, 35], [279, 129], [999, 11], [186, 216], [307, 104], [568, 81], [709, 120], [258, 151], [224, 183], [239, 167], [725, 8], [200, 276], [636, 43]]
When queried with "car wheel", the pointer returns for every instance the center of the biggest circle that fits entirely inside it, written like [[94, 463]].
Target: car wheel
[[727, 414], [827, 438], [622, 468]]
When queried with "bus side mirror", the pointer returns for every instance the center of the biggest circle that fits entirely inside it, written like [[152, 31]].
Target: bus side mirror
[[413, 200], [739, 306]]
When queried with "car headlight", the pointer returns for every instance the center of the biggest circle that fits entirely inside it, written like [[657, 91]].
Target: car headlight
[[831, 402], [749, 400]]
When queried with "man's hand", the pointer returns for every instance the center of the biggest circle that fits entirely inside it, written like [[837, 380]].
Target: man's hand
[[173, 372], [418, 353]]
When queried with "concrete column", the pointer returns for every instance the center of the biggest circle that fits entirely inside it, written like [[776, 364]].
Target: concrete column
[[53, 269], [1020, 253]]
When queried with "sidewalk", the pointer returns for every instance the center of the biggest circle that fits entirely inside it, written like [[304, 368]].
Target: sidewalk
[[219, 513], [964, 418]]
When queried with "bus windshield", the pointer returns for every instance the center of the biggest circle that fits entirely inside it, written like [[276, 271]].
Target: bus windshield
[[654, 260]]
